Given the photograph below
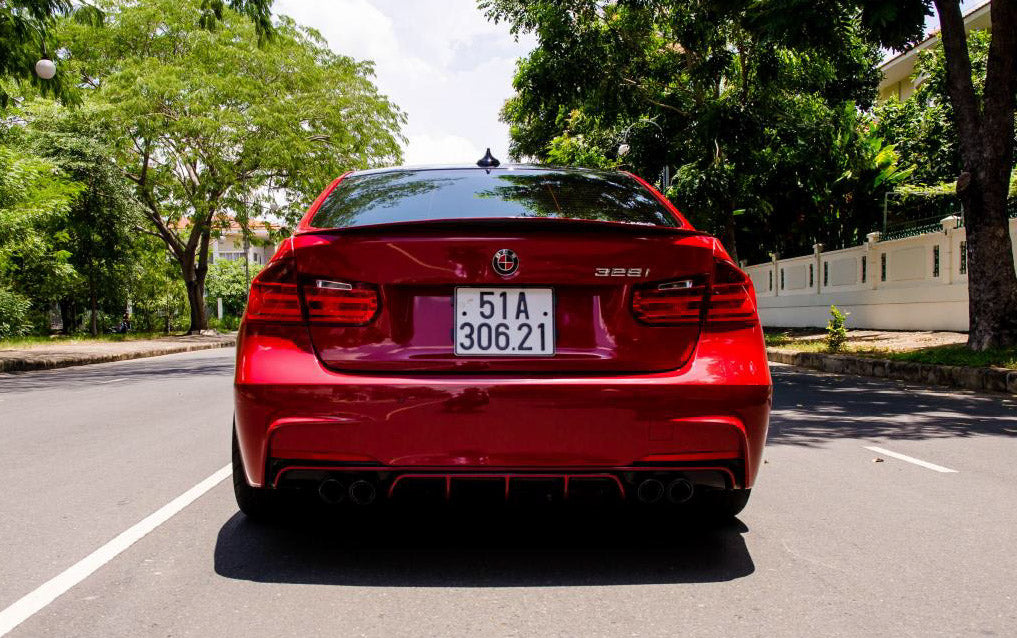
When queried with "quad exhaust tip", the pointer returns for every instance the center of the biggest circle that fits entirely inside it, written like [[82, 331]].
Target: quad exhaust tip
[[332, 491], [680, 491], [362, 492], [650, 491]]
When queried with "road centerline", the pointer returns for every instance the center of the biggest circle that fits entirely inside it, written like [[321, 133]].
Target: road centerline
[[910, 459], [33, 602]]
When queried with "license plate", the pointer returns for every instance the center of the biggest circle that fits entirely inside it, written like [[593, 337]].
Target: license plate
[[504, 322]]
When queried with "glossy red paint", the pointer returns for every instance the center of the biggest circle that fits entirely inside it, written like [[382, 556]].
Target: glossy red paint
[[620, 395], [418, 269]]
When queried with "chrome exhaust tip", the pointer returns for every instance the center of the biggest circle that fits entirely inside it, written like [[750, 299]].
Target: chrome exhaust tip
[[362, 492], [680, 491], [650, 491], [331, 491]]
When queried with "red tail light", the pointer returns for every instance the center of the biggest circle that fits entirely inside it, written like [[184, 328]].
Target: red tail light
[[673, 303], [274, 290], [339, 302], [732, 300], [275, 296]]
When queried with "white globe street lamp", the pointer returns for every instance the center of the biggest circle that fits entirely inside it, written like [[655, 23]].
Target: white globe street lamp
[[45, 69]]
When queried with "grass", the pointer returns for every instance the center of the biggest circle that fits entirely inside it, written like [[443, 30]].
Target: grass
[[949, 355], [28, 341], [792, 340], [959, 355]]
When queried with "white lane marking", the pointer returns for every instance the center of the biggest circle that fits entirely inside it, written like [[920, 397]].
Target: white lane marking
[[911, 459], [46, 593]]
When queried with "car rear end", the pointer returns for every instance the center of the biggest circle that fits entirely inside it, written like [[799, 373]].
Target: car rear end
[[505, 334]]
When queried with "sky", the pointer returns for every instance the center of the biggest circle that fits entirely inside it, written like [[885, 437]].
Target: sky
[[440, 61], [966, 6]]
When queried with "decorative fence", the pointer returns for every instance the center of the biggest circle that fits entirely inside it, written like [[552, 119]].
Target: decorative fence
[[913, 283]]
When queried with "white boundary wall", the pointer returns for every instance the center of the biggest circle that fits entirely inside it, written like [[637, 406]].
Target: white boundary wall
[[916, 283]]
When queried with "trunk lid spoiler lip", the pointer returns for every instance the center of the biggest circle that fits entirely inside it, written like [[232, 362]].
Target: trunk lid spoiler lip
[[527, 224]]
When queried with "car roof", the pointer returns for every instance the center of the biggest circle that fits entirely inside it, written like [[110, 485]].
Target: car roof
[[474, 167]]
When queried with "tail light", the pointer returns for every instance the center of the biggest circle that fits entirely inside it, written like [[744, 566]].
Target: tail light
[[340, 302], [275, 296], [732, 299], [729, 300], [672, 303]]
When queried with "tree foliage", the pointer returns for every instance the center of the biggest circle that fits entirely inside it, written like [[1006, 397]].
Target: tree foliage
[[921, 127], [100, 228], [214, 127], [230, 281], [983, 118], [757, 116], [35, 199], [26, 35]]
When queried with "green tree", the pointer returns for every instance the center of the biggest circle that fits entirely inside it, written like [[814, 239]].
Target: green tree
[[757, 127], [155, 288], [983, 117], [100, 230], [13, 313], [214, 126], [984, 120], [230, 281], [35, 199], [804, 31], [921, 127], [26, 35]]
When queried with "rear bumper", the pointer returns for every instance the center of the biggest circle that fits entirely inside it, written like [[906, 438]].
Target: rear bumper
[[291, 412]]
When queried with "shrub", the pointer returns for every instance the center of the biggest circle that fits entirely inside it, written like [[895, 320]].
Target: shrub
[[13, 314], [836, 333], [229, 281], [229, 323]]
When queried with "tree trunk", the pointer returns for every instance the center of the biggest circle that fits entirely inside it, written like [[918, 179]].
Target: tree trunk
[[196, 301], [194, 280], [94, 328], [67, 316], [992, 282], [729, 238], [986, 144]]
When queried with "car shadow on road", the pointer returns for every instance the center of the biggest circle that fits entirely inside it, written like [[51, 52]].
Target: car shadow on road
[[517, 549], [810, 408]]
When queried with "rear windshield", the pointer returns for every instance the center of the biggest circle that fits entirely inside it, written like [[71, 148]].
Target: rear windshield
[[444, 194]]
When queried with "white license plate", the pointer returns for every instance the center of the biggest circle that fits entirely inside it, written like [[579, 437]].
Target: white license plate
[[504, 322]]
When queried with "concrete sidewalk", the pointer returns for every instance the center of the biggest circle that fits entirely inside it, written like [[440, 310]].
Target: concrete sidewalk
[[76, 353], [870, 364]]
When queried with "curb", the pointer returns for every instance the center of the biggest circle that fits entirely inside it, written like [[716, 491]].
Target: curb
[[981, 379], [42, 363]]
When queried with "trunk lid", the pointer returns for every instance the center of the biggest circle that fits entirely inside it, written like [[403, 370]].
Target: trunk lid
[[592, 268]]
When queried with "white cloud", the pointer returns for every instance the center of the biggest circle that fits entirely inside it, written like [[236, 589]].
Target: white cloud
[[441, 61], [425, 148]]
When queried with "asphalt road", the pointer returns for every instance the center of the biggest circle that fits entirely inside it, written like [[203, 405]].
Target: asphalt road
[[832, 543]]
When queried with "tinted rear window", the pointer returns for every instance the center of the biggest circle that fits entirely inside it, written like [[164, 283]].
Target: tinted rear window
[[410, 196]]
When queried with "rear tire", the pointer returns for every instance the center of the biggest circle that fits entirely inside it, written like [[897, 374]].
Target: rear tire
[[723, 505], [256, 503]]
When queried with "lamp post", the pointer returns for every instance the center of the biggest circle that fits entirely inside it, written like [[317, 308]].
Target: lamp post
[[624, 148]]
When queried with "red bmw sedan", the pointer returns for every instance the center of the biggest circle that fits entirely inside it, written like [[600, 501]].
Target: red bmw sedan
[[503, 334]]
